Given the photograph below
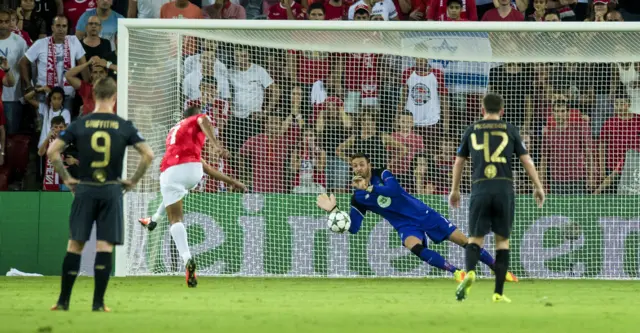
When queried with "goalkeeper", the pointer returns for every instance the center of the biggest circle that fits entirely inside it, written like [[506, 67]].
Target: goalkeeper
[[378, 191]]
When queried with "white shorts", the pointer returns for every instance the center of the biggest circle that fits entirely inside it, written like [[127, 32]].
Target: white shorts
[[178, 180]]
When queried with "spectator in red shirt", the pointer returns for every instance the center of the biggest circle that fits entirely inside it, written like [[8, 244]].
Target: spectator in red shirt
[[308, 162], [438, 10], [268, 153], [618, 134], [335, 10], [504, 13], [566, 153], [399, 165], [418, 9], [73, 9], [85, 89], [360, 80], [286, 10], [305, 68]]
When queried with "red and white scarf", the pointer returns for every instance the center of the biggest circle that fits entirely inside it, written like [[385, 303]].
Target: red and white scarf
[[52, 64], [51, 181]]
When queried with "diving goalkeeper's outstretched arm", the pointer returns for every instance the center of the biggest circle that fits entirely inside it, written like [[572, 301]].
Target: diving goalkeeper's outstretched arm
[[328, 204]]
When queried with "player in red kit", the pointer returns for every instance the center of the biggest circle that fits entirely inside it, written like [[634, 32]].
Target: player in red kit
[[181, 170]]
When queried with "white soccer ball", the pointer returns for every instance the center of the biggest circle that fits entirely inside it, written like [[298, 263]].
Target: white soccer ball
[[339, 221]]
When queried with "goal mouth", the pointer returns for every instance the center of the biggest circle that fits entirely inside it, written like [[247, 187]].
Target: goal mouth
[[290, 100]]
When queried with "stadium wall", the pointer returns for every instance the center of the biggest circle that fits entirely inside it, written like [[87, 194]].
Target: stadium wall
[[34, 228]]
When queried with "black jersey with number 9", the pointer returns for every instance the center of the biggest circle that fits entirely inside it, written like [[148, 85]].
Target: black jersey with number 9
[[101, 139]]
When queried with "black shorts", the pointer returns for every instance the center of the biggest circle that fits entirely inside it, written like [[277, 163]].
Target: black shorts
[[102, 204], [491, 212]]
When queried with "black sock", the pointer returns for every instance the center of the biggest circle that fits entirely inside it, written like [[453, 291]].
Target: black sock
[[70, 269], [502, 266], [101, 274], [472, 255]]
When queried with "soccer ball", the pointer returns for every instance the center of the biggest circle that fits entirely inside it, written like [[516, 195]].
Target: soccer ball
[[339, 221]]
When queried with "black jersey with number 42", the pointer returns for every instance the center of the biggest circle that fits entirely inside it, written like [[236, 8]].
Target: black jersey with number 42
[[101, 140], [491, 145]]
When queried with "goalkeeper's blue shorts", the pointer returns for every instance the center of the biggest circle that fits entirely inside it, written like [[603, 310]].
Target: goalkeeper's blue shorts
[[434, 226]]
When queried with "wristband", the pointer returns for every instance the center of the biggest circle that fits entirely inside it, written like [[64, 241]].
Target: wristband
[[333, 209]]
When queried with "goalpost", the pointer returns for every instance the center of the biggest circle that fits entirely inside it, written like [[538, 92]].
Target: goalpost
[[292, 99]]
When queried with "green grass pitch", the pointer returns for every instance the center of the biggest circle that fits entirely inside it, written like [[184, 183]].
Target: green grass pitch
[[165, 304]]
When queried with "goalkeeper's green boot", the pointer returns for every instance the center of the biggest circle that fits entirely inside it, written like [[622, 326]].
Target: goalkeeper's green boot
[[465, 286]]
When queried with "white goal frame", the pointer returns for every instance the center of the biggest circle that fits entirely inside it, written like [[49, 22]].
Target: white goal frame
[[124, 25]]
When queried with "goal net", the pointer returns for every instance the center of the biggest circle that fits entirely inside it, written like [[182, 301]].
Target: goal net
[[291, 101]]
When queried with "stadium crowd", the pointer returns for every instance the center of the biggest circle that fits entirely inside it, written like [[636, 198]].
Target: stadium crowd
[[290, 119]]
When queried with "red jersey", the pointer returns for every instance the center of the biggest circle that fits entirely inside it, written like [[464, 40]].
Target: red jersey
[[278, 12], [86, 92], [184, 143], [448, 19], [566, 150], [73, 9], [494, 16], [335, 13], [420, 6], [361, 73], [268, 157], [217, 111], [619, 135], [402, 165], [313, 66]]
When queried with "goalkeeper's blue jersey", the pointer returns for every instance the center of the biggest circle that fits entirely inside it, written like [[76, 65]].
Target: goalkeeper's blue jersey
[[389, 200]]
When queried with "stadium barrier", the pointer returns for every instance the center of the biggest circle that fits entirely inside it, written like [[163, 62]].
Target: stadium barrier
[[257, 235]]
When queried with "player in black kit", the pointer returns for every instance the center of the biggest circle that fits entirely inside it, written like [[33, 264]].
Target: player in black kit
[[101, 139], [491, 143]]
